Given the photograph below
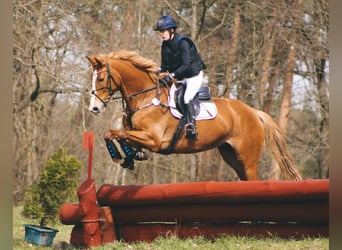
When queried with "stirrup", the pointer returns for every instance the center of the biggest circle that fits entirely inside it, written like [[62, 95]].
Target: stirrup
[[190, 131]]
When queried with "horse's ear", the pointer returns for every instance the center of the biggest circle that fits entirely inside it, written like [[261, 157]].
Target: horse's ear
[[95, 62], [91, 59], [99, 62]]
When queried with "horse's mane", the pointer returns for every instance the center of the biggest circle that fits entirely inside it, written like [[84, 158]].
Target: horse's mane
[[137, 60]]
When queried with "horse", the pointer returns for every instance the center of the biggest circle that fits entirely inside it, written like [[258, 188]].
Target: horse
[[238, 131]]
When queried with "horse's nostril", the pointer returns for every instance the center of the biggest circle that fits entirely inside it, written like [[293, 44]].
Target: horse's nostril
[[95, 110]]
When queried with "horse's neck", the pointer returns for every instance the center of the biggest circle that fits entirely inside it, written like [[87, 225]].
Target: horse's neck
[[133, 80], [137, 87]]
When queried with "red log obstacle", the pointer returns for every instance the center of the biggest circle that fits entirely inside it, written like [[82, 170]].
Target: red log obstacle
[[93, 224], [210, 209]]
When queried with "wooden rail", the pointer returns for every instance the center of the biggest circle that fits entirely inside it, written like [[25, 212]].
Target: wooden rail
[[289, 209], [210, 209]]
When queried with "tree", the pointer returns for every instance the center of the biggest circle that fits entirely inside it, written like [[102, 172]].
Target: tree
[[57, 183]]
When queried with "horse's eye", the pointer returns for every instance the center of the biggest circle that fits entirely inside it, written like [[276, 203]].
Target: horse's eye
[[101, 79]]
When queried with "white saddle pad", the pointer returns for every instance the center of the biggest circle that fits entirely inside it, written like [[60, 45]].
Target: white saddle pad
[[207, 109]]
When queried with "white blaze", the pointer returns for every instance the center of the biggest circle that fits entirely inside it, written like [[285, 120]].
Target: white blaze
[[93, 99], [93, 89]]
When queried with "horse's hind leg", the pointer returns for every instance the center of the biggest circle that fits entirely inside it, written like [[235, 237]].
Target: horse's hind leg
[[230, 156]]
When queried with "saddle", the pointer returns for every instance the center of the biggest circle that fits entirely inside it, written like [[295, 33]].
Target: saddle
[[204, 107]]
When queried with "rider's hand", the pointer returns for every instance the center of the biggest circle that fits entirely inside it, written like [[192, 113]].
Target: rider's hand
[[168, 78], [158, 71]]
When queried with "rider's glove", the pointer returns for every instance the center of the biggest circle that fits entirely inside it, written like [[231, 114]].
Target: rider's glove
[[158, 71], [168, 78]]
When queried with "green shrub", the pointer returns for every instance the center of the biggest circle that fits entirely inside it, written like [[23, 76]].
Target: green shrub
[[58, 181]]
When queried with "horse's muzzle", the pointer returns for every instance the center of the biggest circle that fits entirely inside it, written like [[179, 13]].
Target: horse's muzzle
[[95, 110]]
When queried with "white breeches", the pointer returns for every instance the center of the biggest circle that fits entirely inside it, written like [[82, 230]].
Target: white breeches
[[193, 84]]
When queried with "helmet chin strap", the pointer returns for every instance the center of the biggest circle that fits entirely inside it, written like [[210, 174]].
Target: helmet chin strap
[[172, 34]]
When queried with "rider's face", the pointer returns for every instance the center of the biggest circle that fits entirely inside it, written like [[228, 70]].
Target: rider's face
[[164, 35]]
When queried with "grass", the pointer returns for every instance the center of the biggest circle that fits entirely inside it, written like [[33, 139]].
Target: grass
[[199, 243]]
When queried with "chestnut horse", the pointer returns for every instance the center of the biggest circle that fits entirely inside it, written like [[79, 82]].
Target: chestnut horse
[[238, 131]]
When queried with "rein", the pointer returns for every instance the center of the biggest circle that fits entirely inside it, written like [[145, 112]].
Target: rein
[[131, 96], [155, 101]]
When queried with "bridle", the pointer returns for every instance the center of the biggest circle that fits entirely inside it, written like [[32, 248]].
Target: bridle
[[109, 87]]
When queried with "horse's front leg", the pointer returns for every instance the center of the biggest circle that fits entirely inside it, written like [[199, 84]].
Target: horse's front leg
[[143, 139]]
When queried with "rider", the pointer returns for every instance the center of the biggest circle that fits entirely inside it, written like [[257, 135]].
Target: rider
[[181, 59]]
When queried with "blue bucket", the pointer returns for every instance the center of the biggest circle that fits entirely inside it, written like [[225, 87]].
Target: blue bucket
[[42, 236]]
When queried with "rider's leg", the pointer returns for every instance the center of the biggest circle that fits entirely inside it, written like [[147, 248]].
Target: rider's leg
[[190, 127], [193, 85]]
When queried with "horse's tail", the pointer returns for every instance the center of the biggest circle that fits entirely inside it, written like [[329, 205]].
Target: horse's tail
[[275, 138]]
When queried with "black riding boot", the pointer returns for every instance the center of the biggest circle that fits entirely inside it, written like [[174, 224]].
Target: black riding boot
[[190, 126]]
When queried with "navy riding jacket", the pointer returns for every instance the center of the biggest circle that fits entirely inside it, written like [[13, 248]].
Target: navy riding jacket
[[180, 56]]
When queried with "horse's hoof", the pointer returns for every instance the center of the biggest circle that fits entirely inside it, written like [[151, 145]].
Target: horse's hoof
[[140, 156], [128, 163]]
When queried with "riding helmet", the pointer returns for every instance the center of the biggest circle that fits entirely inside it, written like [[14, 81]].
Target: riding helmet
[[166, 23]]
